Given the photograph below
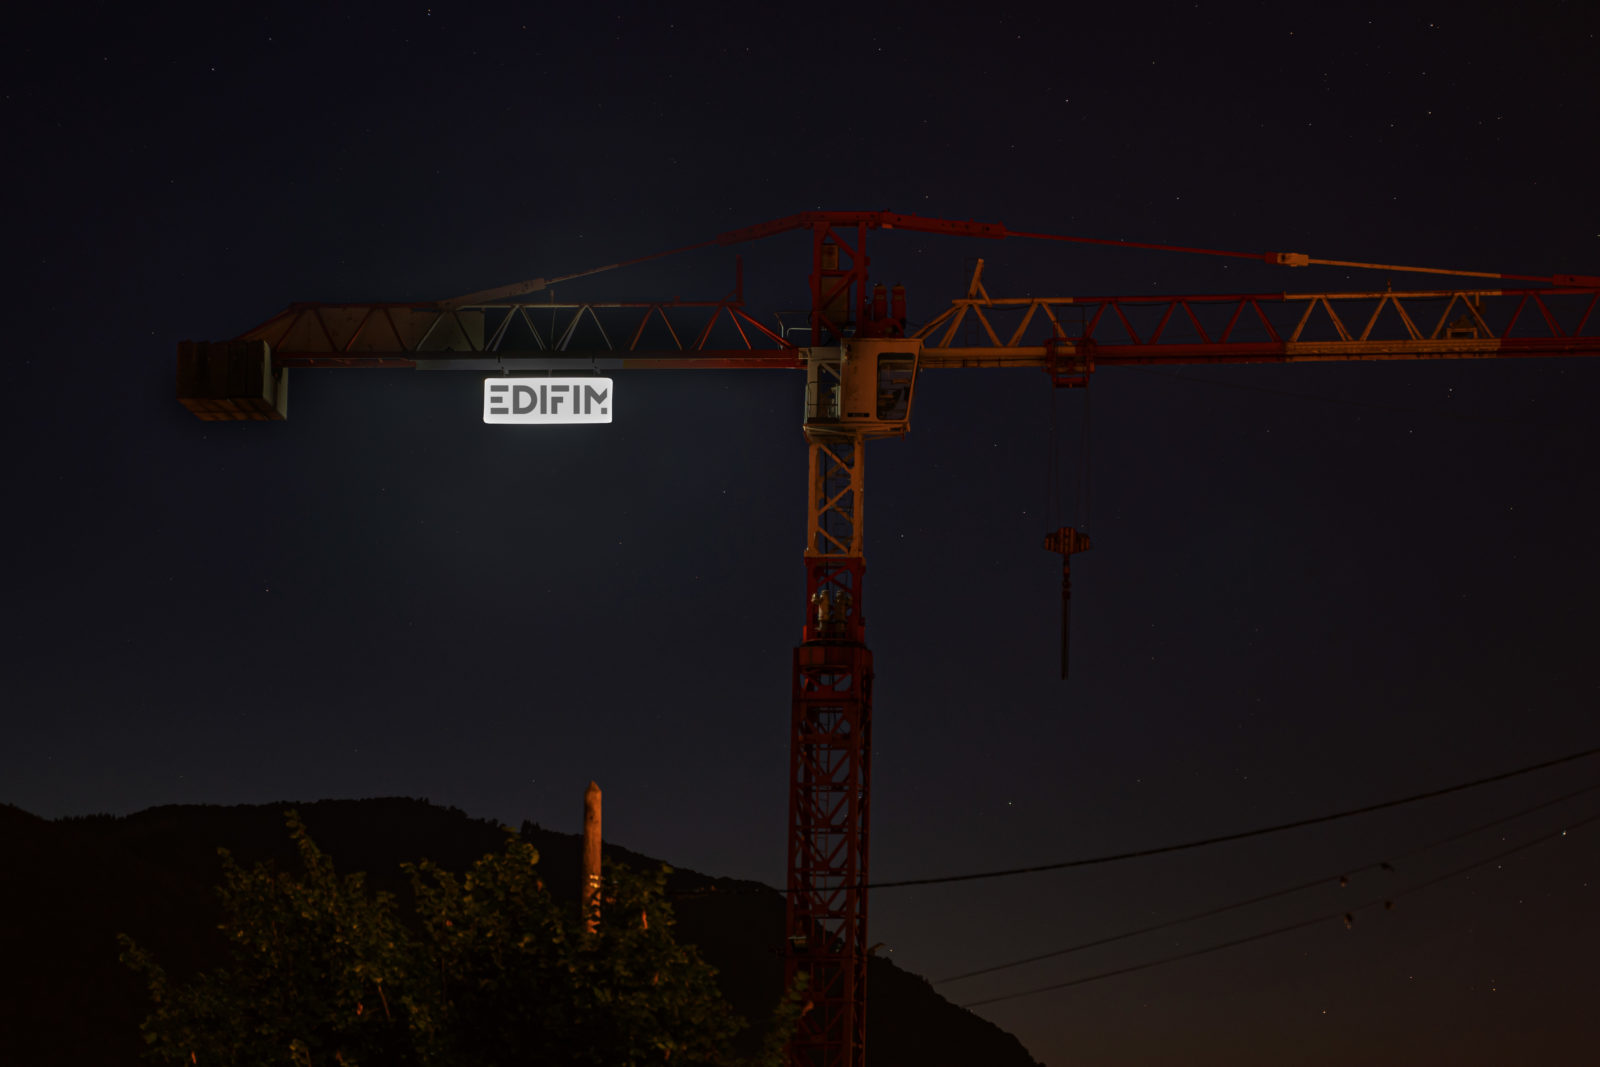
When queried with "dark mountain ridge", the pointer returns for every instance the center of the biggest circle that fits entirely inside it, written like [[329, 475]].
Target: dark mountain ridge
[[69, 886]]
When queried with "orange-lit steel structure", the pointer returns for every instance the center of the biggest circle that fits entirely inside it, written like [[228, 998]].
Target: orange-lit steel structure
[[861, 366]]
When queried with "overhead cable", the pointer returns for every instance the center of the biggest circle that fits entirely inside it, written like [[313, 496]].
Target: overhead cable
[[1182, 846], [1159, 850], [1345, 914], [1341, 877]]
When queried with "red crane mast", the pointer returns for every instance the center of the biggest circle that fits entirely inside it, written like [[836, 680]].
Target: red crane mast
[[861, 365]]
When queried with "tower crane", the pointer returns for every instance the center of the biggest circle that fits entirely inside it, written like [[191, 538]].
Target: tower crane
[[861, 365]]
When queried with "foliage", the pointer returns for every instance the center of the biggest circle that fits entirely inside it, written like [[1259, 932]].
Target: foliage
[[318, 966], [494, 972]]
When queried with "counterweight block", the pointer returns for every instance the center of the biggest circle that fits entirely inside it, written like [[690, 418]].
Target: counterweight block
[[231, 381]]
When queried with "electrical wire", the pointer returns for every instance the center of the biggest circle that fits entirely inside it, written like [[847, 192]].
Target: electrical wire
[[1237, 836], [1346, 914], [1340, 877], [1182, 846]]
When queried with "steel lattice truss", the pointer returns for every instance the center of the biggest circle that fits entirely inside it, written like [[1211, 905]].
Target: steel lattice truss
[[830, 783], [837, 471], [977, 330], [676, 334], [982, 331]]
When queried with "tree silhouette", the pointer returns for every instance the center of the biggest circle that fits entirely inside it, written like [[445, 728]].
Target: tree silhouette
[[492, 972]]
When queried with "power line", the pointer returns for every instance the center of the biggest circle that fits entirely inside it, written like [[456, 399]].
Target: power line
[[1115, 857], [1159, 850], [1285, 891], [1345, 914]]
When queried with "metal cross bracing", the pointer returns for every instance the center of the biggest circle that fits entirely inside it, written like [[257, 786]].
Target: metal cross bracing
[[837, 471], [830, 777], [409, 335], [861, 369], [974, 331], [983, 331], [830, 746]]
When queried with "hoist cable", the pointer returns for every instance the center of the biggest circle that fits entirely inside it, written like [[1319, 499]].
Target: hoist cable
[[1087, 476], [1052, 496]]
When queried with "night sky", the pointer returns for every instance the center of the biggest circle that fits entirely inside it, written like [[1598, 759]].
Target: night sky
[[1311, 588]]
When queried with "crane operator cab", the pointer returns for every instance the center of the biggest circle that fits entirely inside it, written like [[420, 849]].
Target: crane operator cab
[[862, 388]]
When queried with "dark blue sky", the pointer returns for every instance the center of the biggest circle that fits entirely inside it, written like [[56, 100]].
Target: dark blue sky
[[1311, 587]]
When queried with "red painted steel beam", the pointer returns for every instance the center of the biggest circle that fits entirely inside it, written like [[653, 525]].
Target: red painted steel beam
[[830, 778], [890, 220], [872, 220]]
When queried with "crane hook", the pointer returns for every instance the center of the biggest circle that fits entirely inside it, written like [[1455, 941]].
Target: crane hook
[[1066, 541]]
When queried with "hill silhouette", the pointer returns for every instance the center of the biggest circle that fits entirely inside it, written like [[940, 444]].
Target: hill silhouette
[[69, 886]]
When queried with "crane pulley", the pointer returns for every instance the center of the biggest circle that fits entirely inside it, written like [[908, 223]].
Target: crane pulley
[[861, 369]]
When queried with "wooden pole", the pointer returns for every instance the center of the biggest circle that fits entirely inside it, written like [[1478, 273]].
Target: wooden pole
[[590, 895]]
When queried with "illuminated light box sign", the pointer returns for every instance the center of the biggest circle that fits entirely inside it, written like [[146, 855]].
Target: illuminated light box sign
[[547, 401]]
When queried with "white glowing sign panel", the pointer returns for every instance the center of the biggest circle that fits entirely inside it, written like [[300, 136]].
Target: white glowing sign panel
[[547, 401]]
